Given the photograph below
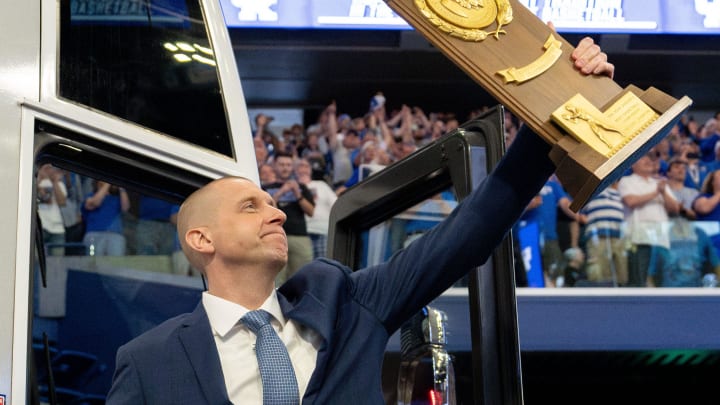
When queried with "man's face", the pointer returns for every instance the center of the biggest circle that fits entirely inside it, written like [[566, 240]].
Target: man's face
[[312, 140], [351, 141], [248, 228], [283, 167], [369, 152], [676, 171], [302, 168], [261, 151], [267, 174], [645, 166]]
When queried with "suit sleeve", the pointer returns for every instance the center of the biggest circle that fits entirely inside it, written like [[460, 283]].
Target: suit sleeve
[[416, 275], [126, 387]]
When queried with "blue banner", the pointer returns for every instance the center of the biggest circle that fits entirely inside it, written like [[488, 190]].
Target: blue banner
[[581, 16], [528, 233]]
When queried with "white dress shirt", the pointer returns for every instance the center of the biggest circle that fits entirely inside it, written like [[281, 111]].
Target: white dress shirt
[[236, 343]]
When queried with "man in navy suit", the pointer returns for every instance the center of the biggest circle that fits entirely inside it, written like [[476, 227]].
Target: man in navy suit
[[334, 322]]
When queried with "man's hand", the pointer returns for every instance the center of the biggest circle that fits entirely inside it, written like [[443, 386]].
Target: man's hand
[[261, 120], [590, 59], [331, 108], [292, 186]]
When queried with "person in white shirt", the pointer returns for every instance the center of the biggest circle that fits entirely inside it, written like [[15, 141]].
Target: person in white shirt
[[319, 223], [648, 200], [52, 194]]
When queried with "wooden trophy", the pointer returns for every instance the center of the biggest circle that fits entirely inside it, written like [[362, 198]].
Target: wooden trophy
[[596, 128]]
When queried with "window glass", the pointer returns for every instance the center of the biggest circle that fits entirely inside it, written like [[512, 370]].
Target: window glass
[[113, 270], [146, 62], [382, 240]]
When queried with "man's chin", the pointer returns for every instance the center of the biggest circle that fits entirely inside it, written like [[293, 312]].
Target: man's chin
[[280, 262]]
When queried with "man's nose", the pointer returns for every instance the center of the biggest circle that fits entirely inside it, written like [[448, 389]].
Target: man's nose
[[276, 215]]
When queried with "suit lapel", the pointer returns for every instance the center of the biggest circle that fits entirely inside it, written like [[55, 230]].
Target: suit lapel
[[197, 339], [310, 312]]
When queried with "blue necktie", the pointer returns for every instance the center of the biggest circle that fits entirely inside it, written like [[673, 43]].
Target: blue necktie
[[276, 370]]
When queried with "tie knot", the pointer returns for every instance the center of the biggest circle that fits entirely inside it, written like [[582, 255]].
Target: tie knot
[[255, 320]]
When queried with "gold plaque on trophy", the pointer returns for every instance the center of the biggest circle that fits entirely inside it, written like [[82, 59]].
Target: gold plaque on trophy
[[609, 131], [595, 127]]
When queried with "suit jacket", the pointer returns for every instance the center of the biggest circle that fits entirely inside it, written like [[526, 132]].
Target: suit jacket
[[354, 312]]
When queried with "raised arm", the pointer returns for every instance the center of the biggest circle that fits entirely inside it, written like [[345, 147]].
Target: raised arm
[[331, 125], [414, 276]]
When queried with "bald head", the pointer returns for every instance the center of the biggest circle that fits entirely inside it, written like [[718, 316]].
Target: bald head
[[200, 209]]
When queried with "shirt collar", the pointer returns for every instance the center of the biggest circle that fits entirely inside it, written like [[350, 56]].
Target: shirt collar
[[224, 314]]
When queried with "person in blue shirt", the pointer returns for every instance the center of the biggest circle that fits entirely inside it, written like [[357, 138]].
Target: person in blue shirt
[[154, 234], [691, 256], [554, 197], [103, 211], [707, 204]]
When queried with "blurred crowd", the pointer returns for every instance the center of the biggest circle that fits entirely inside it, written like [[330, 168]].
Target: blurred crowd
[[656, 226], [82, 216], [659, 225]]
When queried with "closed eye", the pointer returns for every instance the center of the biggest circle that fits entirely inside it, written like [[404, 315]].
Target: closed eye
[[249, 206]]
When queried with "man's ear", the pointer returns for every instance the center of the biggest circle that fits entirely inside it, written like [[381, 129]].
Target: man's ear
[[198, 239]]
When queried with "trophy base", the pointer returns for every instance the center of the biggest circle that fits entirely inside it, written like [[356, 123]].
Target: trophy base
[[584, 172]]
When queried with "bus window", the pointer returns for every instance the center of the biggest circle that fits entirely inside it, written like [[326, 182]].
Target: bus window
[[107, 267], [150, 63]]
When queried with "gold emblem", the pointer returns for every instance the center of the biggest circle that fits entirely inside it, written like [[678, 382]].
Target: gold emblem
[[606, 132], [466, 19], [575, 114]]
